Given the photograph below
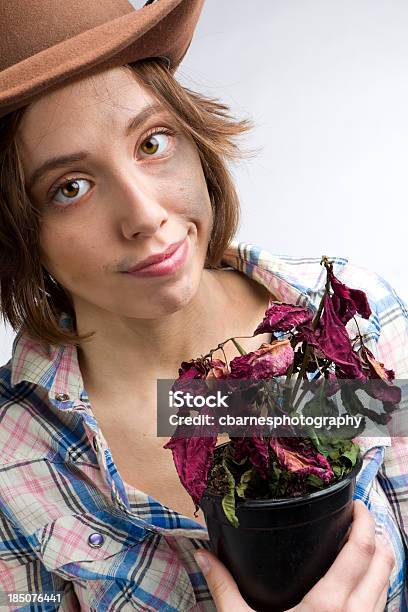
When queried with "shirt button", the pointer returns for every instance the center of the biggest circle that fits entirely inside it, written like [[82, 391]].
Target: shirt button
[[62, 397], [96, 540], [95, 444]]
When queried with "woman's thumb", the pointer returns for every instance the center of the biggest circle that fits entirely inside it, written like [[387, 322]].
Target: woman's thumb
[[220, 582]]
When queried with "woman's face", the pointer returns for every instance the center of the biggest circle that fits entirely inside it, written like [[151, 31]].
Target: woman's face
[[130, 191]]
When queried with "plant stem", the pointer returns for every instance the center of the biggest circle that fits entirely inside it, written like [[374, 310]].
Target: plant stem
[[302, 371], [238, 347], [301, 396], [315, 323], [221, 344]]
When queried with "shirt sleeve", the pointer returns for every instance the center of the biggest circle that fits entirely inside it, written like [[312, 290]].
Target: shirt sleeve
[[392, 350], [21, 572], [383, 481], [392, 315]]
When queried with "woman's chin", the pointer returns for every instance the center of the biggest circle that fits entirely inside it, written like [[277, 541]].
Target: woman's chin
[[173, 299]]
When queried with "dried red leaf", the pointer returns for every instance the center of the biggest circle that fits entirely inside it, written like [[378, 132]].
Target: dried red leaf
[[255, 449], [192, 458], [298, 455], [219, 370], [268, 361], [335, 344], [347, 302], [282, 317]]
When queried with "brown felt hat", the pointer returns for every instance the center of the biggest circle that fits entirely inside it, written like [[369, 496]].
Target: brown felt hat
[[44, 43]]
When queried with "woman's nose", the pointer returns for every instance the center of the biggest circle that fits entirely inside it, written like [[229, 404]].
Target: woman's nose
[[141, 207]]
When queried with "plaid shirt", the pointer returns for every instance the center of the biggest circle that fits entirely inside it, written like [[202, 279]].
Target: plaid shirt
[[70, 524]]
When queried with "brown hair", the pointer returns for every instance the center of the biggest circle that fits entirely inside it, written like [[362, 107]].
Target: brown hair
[[30, 298]]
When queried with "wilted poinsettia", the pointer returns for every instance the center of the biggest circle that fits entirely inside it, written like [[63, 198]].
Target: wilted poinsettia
[[315, 350]]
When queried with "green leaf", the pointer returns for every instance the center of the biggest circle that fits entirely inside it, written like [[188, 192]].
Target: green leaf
[[279, 483], [241, 462], [228, 501], [320, 406], [351, 401], [351, 454], [334, 454], [348, 432], [315, 481], [318, 440], [244, 482], [338, 470]]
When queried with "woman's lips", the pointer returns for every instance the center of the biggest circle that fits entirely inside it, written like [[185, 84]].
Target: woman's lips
[[170, 265]]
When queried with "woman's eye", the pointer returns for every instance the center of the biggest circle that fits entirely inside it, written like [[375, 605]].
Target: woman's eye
[[155, 143], [70, 190]]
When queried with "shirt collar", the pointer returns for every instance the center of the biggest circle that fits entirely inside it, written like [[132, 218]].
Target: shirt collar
[[54, 368]]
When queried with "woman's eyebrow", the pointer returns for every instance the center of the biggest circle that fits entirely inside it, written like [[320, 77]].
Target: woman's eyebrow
[[61, 161]]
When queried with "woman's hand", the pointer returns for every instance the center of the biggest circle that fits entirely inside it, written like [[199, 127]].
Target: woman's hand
[[357, 581]]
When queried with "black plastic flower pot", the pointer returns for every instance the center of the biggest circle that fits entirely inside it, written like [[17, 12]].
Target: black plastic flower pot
[[282, 547]]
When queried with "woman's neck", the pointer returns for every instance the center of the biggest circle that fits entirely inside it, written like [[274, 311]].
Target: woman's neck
[[133, 352]]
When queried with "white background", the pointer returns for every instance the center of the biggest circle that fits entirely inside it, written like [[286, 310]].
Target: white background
[[326, 83]]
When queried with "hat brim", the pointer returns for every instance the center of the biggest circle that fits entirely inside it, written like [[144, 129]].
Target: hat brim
[[161, 29]]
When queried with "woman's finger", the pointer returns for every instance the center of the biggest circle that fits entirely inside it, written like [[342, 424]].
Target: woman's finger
[[224, 590], [350, 565], [382, 601], [371, 588]]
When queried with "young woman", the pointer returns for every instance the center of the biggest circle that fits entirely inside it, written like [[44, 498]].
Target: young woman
[[117, 262]]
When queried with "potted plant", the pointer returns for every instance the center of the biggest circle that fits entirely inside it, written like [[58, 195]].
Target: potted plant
[[278, 502]]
